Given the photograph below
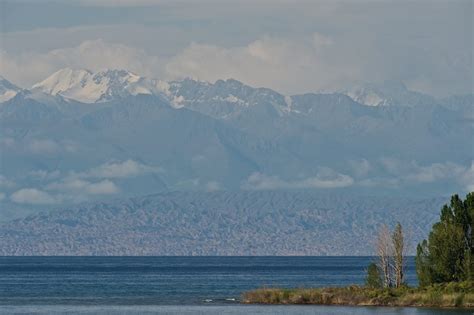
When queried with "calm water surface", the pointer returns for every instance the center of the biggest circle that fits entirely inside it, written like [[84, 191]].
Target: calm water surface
[[175, 285]]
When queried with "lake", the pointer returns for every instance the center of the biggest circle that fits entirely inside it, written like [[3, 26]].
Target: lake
[[176, 285]]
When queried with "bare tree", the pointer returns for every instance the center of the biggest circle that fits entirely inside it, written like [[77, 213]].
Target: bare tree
[[384, 255], [398, 255]]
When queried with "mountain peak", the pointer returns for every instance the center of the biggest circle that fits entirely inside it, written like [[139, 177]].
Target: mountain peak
[[118, 74], [89, 87], [387, 93], [7, 90]]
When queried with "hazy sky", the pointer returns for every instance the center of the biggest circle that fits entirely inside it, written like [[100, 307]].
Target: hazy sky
[[290, 46]]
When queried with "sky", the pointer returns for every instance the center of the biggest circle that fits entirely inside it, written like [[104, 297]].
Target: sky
[[290, 46]]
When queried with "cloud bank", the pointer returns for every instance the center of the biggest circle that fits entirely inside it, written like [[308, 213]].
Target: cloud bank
[[316, 62], [391, 173], [325, 179], [32, 196], [30, 67], [123, 169], [66, 187]]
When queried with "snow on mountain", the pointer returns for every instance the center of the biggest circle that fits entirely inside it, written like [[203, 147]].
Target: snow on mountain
[[7, 90], [88, 87], [225, 98], [367, 96], [221, 99], [388, 93], [229, 136]]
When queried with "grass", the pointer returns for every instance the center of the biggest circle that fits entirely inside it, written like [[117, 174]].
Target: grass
[[441, 295]]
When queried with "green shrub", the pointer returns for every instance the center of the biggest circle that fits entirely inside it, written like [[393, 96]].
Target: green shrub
[[373, 279]]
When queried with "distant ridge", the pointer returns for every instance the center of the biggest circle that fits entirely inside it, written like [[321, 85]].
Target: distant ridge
[[105, 85], [219, 223]]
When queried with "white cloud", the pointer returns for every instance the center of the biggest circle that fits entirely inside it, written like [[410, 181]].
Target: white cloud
[[7, 141], [436, 171], [379, 182], [393, 166], [360, 167], [468, 178], [429, 47], [287, 65], [32, 196], [104, 187], [45, 175], [326, 178], [70, 146], [413, 172], [81, 186], [128, 168], [75, 187], [5, 182], [212, 186], [43, 146], [28, 68]]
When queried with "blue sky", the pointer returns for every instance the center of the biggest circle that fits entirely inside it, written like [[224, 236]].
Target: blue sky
[[290, 46]]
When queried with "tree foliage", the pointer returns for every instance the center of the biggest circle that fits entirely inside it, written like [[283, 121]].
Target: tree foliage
[[373, 279], [447, 255], [398, 255]]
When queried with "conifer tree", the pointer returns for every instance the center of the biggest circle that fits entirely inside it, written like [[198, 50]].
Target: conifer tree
[[447, 254], [373, 279]]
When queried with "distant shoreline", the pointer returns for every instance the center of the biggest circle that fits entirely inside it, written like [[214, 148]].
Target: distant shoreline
[[440, 296]]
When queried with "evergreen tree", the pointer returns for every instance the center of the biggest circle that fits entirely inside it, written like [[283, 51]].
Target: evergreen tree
[[447, 254], [373, 279], [423, 270]]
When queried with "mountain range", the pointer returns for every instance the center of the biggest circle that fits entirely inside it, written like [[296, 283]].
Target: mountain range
[[81, 136]]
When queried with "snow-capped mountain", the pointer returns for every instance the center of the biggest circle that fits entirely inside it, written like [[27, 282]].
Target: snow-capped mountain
[[225, 98], [7, 90], [388, 93], [367, 96], [219, 99], [194, 135], [89, 87]]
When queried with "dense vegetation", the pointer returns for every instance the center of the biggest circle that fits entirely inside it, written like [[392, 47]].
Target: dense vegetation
[[460, 294], [447, 255], [444, 265]]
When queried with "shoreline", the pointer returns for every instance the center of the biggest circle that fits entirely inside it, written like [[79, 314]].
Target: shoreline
[[455, 296]]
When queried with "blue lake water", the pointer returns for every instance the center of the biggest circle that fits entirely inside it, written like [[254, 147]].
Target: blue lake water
[[175, 285]]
